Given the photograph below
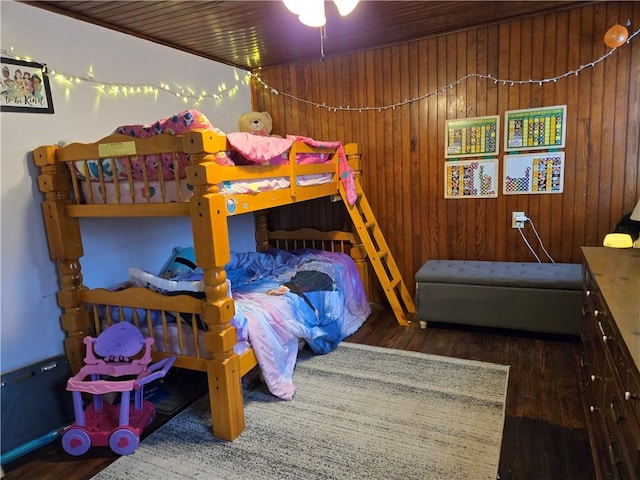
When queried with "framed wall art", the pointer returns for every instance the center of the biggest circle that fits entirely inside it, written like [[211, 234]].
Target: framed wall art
[[535, 128], [533, 173], [472, 137], [24, 87], [471, 179]]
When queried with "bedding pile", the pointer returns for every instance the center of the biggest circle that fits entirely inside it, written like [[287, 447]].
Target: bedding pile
[[136, 178], [281, 298]]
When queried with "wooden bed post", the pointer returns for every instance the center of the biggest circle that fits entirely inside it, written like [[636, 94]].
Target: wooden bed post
[[262, 231], [65, 249], [211, 243]]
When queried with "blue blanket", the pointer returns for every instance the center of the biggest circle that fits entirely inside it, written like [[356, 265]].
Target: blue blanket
[[281, 299]]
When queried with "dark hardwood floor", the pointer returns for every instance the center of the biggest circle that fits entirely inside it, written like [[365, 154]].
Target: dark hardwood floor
[[544, 433]]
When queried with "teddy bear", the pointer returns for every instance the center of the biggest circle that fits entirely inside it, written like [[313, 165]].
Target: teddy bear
[[256, 123]]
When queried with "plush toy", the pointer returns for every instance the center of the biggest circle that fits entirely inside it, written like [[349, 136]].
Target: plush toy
[[256, 123]]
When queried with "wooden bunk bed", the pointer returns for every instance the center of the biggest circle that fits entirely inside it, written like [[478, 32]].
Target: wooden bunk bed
[[78, 181]]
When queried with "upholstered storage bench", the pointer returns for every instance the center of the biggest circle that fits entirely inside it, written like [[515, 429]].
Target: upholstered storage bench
[[535, 297]]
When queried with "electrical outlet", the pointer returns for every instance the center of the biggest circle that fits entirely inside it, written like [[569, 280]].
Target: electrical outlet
[[514, 222]]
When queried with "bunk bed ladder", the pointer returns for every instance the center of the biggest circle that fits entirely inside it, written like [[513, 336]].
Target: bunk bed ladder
[[379, 255]]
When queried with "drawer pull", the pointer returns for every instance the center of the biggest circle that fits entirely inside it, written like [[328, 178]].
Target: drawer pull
[[588, 292], [628, 396], [617, 416], [613, 452], [604, 336], [593, 378], [592, 409], [596, 313]]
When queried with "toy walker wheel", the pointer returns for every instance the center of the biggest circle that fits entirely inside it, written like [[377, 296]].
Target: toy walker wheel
[[76, 441], [123, 441]]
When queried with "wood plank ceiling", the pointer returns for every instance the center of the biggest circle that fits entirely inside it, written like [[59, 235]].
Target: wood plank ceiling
[[253, 34]]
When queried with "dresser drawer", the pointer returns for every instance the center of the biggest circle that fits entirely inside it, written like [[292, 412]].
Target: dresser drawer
[[616, 352], [627, 376], [615, 466], [606, 458], [594, 301], [631, 385], [594, 358], [623, 428], [591, 385]]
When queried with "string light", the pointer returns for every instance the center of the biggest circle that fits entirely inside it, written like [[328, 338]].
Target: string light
[[186, 94], [223, 90], [444, 88]]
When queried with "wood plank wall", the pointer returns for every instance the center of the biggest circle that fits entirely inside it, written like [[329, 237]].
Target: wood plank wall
[[404, 150]]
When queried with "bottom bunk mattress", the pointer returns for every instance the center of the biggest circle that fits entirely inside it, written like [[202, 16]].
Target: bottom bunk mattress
[[281, 299]]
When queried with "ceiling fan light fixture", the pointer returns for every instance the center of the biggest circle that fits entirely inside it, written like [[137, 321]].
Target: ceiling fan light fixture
[[293, 5], [345, 7], [312, 13]]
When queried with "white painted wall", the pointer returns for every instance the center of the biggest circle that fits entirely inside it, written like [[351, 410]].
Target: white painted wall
[[29, 322]]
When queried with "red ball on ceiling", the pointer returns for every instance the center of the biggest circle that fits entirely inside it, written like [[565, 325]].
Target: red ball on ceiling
[[616, 36]]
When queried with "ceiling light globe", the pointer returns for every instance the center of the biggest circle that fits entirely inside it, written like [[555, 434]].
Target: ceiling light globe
[[312, 13], [345, 7], [293, 5]]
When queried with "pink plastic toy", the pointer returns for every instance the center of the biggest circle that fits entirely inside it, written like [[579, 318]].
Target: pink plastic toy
[[103, 423]]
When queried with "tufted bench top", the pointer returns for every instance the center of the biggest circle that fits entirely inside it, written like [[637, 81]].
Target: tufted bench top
[[564, 276]]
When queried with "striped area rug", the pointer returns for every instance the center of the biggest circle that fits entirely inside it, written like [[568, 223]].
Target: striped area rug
[[360, 412]]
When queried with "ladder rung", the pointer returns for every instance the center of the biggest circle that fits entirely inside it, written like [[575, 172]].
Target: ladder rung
[[382, 260]]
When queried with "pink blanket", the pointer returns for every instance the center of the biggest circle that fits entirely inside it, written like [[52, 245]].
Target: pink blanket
[[347, 177], [260, 149], [263, 150]]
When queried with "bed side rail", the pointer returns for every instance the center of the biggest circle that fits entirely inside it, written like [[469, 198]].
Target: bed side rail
[[118, 169], [123, 170], [333, 241], [203, 145], [173, 321]]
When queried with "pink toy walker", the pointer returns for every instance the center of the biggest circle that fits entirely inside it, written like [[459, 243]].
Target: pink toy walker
[[103, 423]]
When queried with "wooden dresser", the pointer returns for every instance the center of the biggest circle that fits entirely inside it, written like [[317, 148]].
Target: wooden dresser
[[610, 377]]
